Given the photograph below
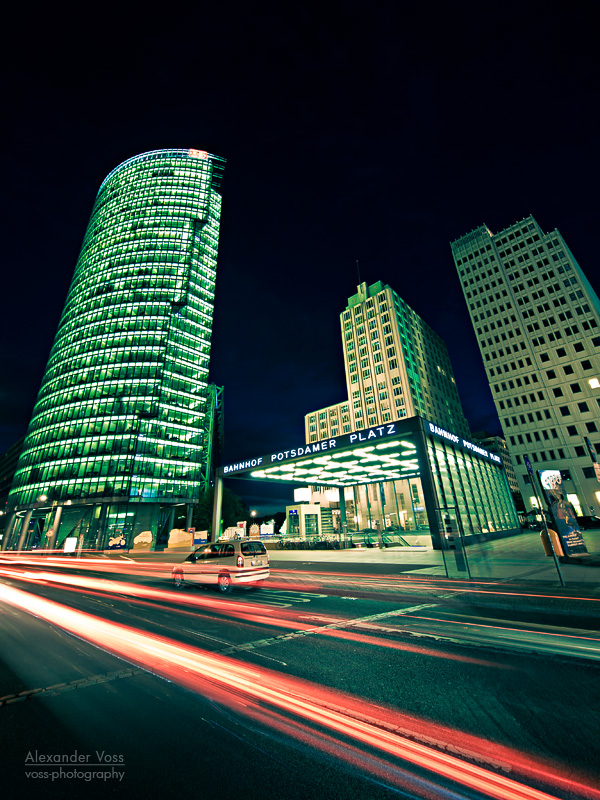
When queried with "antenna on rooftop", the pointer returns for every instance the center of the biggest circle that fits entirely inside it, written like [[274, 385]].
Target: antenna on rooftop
[[358, 271]]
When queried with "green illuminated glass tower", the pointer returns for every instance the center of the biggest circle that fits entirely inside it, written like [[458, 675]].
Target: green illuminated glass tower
[[118, 436]]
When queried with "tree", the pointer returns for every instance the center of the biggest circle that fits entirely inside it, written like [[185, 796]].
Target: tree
[[279, 519], [233, 510]]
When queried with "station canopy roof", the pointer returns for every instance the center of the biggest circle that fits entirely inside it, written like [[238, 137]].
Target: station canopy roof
[[384, 453], [389, 452]]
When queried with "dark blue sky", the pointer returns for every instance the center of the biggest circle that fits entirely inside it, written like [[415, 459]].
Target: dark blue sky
[[353, 131]]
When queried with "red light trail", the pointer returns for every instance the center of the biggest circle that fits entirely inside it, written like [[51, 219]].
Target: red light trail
[[289, 620], [402, 582], [268, 695]]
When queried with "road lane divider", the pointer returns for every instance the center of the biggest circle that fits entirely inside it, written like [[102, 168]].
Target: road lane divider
[[347, 623]]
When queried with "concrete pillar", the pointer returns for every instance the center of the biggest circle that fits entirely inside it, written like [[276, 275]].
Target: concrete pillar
[[24, 527], [8, 530], [343, 523], [412, 503], [356, 497], [368, 505], [55, 527], [188, 516], [46, 530], [217, 509], [381, 487], [395, 493]]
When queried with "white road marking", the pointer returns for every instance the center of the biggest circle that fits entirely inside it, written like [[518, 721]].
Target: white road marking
[[283, 599], [348, 623]]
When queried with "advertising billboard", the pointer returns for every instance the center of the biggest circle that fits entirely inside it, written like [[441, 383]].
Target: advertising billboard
[[563, 513]]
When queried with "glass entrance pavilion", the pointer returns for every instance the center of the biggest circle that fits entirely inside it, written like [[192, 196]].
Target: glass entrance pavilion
[[463, 486]]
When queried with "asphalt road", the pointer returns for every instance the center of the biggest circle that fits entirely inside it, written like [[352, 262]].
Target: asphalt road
[[330, 684]]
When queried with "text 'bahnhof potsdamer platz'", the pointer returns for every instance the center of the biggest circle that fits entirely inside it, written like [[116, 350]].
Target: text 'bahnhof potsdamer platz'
[[121, 432]]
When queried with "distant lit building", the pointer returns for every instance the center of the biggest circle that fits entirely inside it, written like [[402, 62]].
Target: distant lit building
[[330, 421], [119, 437], [537, 322], [8, 465]]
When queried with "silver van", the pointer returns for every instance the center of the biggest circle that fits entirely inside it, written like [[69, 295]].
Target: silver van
[[225, 565]]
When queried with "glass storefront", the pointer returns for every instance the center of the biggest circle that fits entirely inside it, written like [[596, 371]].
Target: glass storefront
[[394, 506], [475, 487]]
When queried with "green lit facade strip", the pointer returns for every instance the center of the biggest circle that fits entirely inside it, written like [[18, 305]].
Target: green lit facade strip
[[58, 453], [97, 424], [128, 370]]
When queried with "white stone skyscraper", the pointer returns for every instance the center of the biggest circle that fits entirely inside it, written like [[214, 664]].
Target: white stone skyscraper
[[537, 322]]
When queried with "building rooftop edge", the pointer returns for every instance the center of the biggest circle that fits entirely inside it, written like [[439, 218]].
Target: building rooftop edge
[[484, 226], [178, 151]]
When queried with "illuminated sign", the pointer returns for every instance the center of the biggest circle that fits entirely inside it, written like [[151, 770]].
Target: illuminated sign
[[441, 432], [255, 462], [325, 445], [452, 437], [384, 453], [197, 154], [317, 447], [374, 433]]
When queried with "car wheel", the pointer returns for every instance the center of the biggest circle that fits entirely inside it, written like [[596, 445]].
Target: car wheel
[[224, 584], [179, 580]]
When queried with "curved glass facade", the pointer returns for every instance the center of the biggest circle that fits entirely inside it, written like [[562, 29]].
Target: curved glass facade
[[121, 411]]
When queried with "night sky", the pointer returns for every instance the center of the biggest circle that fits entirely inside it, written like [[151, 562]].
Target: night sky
[[352, 131]]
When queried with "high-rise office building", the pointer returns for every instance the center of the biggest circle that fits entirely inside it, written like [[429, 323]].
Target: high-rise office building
[[118, 435], [396, 367], [537, 322]]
